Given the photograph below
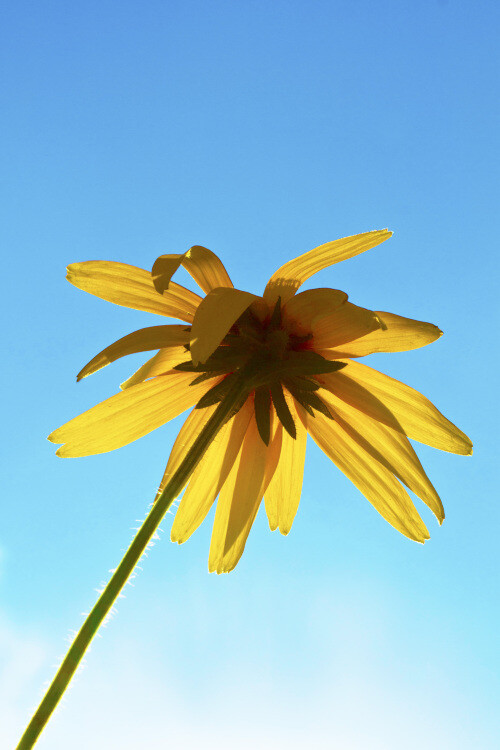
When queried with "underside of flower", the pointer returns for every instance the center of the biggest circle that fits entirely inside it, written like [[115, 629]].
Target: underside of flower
[[279, 367], [266, 355]]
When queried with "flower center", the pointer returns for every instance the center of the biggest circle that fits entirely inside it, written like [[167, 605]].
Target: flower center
[[274, 366], [277, 341]]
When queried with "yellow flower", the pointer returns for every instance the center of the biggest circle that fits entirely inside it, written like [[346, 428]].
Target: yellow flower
[[296, 355]]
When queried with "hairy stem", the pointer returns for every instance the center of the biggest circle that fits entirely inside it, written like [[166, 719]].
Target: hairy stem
[[129, 561]]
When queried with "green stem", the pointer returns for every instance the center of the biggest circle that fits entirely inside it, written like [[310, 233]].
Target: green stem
[[127, 565]]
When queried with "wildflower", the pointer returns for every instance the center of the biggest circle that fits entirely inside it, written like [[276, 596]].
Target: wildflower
[[294, 359]]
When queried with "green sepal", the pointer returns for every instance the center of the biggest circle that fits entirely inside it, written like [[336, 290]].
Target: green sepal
[[308, 362], [188, 366], [282, 410], [206, 376], [216, 393], [302, 401], [299, 395], [262, 406], [300, 363], [301, 383], [223, 360], [275, 321], [318, 404], [236, 407]]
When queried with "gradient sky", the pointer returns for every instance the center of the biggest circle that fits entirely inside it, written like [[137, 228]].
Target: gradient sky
[[260, 130]]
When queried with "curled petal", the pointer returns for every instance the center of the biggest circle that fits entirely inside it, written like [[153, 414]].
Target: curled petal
[[130, 286], [286, 280], [303, 308], [162, 362], [215, 315], [202, 264], [144, 340], [344, 324]]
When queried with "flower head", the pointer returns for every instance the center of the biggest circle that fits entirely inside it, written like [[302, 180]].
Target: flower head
[[294, 355]]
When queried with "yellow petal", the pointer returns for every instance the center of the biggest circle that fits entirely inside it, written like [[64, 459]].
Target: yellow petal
[[287, 279], [261, 310], [302, 309], [215, 315], [283, 493], [162, 362], [389, 447], [273, 451], [396, 334], [202, 264], [195, 422], [396, 405], [128, 415], [344, 324], [240, 498], [376, 482], [132, 287], [210, 475], [144, 340]]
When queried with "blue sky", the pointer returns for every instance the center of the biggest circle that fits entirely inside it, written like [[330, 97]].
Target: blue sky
[[259, 130]]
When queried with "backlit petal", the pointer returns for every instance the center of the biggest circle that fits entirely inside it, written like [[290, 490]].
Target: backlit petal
[[283, 493], [396, 405], [396, 334], [202, 264], [210, 475], [147, 339], [287, 279], [344, 324], [377, 483], [195, 422], [303, 308], [128, 415], [214, 317], [132, 287], [162, 362], [240, 498], [273, 451], [389, 447]]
